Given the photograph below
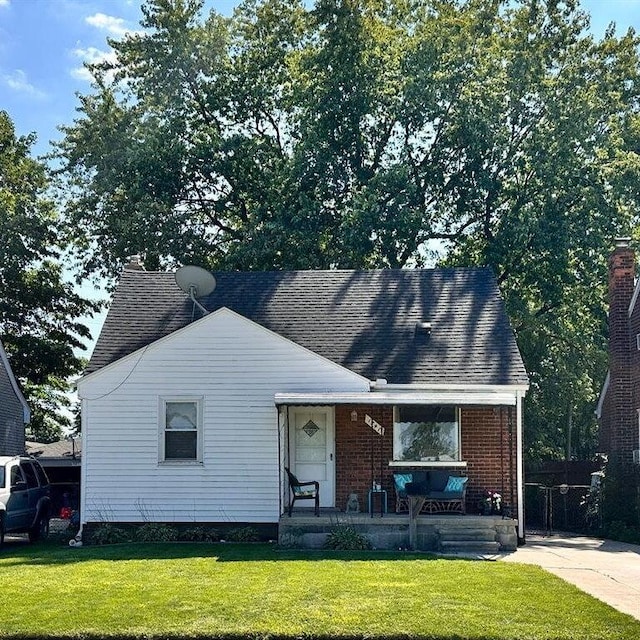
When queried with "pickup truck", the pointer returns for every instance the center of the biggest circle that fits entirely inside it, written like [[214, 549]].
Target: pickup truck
[[25, 501]]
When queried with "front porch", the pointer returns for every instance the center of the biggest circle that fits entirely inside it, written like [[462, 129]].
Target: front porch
[[350, 448], [446, 533]]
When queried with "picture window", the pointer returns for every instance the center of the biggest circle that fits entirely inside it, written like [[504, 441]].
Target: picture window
[[426, 433]]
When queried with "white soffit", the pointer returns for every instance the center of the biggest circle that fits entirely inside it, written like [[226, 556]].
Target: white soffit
[[400, 397]]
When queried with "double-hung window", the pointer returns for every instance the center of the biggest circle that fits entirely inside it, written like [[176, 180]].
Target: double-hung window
[[426, 433], [181, 429]]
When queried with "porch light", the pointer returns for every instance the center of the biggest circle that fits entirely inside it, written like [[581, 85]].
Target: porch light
[[354, 416]]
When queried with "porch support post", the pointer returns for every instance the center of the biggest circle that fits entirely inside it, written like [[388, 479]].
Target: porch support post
[[415, 506], [520, 466], [283, 437]]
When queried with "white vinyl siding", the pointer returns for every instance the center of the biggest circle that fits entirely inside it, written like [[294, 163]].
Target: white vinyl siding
[[235, 367]]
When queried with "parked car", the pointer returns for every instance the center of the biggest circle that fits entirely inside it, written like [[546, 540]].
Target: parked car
[[25, 501]]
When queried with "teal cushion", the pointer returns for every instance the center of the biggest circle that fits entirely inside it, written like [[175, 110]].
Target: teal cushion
[[401, 480], [455, 484]]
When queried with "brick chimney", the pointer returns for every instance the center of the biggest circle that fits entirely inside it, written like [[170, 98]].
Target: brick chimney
[[622, 421]]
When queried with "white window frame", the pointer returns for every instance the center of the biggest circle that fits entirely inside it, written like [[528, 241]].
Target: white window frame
[[427, 463], [162, 415]]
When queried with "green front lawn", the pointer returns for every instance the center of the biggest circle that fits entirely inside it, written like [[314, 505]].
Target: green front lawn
[[186, 590]]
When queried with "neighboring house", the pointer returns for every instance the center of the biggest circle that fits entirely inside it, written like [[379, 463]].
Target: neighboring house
[[62, 454], [618, 409], [14, 410], [62, 462], [192, 418]]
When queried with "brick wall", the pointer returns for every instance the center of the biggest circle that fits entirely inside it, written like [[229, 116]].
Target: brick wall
[[619, 422], [485, 446], [356, 445], [630, 439], [488, 437]]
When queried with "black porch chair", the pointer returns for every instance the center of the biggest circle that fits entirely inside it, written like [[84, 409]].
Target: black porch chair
[[303, 491]]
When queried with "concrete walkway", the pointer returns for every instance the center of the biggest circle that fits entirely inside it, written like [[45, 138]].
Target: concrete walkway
[[607, 570]]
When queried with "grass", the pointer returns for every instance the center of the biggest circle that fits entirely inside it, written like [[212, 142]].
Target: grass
[[227, 590]]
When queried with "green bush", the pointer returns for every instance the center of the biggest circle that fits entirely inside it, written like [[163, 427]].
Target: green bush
[[243, 534], [199, 534], [617, 530], [107, 533], [621, 496], [156, 532], [346, 538]]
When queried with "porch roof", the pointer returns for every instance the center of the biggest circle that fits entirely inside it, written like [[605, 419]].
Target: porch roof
[[434, 396]]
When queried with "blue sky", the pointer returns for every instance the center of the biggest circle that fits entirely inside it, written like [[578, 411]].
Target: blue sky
[[43, 44]]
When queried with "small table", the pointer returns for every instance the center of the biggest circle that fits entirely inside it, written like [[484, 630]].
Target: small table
[[383, 500]]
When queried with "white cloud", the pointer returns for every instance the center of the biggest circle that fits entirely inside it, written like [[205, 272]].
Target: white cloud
[[17, 81], [4, 3], [112, 25], [90, 55]]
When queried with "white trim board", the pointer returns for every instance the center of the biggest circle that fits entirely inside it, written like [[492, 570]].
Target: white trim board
[[436, 396], [603, 395]]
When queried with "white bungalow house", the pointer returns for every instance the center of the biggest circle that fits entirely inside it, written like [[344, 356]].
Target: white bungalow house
[[192, 417]]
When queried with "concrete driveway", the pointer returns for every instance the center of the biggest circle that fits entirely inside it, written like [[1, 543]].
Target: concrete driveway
[[607, 570]]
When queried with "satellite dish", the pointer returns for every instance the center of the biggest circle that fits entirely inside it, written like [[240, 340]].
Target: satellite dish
[[195, 281]]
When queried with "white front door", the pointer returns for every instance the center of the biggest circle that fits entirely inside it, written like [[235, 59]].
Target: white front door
[[311, 447]]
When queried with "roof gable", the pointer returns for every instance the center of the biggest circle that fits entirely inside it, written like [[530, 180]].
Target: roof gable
[[364, 321], [211, 320]]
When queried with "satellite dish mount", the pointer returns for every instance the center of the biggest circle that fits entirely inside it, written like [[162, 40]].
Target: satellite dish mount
[[196, 282]]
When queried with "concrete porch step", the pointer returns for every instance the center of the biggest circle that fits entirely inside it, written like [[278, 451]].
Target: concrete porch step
[[469, 546], [464, 533]]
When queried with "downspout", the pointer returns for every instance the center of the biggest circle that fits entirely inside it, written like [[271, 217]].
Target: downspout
[[520, 467], [76, 541]]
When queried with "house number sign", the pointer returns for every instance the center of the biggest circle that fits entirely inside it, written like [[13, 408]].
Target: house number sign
[[378, 428]]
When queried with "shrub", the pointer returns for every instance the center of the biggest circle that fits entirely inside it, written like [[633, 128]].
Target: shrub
[[617, 530], [107, 533], [156, 532], [199, 534], [243, 534], [346, 538], [621, 495]]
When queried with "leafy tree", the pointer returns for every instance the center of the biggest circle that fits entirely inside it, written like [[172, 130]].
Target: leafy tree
[[376, 133], [37, 308]]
